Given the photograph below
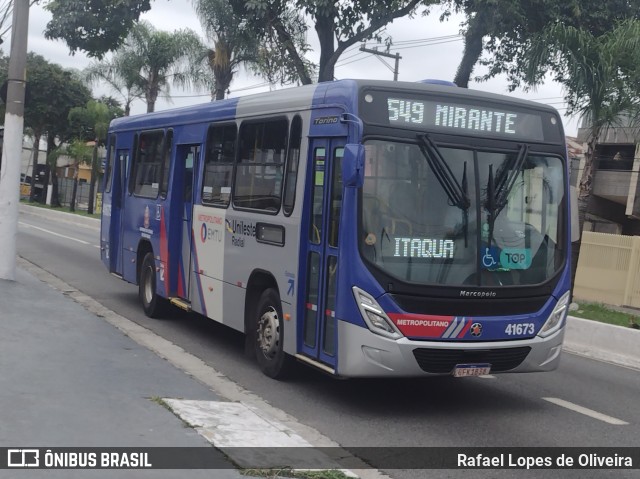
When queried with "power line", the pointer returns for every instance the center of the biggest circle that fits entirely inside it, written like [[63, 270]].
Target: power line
[[353, 61]]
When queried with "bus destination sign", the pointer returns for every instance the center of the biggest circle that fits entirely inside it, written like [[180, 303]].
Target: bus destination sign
[[464, 118]]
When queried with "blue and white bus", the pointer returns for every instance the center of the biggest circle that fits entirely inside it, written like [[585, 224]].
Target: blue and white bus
[[366, 228]]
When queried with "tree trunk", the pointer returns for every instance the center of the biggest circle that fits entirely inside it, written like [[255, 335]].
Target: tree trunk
[[151, 95], [74, 191], [34, 167], [223, 78], [326, 34], [55, 198], [53, 173], [585, 187], [476, 30], [92, 185], [151, 103], [285, 40]]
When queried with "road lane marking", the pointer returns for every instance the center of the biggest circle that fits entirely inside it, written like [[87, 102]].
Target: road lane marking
[[56, 234], [586, 411]]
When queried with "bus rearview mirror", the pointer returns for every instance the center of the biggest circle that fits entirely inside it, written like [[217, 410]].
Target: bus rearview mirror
[[353, 166]]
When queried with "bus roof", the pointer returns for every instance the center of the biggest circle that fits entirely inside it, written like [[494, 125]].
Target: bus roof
[[339, 92]]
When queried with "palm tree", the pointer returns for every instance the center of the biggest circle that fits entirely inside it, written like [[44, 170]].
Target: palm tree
[[158, 59], [119, 75], [233, 44], [598, 78]]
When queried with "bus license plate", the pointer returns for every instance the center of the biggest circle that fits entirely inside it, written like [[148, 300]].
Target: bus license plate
[[466, 370]]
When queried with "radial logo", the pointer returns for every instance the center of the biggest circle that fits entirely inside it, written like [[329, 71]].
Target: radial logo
[[476, 329]]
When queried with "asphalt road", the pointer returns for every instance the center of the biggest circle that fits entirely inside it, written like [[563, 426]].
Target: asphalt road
[[584, 403]]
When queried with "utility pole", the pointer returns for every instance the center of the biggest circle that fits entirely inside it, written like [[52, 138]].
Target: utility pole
[[385, 54], [13, 134]]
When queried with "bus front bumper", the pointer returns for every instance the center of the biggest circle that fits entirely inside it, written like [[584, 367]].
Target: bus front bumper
[[365, 354]]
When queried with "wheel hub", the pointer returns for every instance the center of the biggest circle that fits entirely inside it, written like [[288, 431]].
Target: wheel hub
[[269, 333], [148, 286]]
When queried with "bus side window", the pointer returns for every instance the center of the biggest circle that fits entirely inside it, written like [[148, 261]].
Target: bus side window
[[166, 163], [258, 178], [147, 165], [111, 154], [336, 197], [293, 160], [315, 232], [218, 167]]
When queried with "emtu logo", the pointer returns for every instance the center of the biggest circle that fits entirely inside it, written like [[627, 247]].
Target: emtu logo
[[23, 458]]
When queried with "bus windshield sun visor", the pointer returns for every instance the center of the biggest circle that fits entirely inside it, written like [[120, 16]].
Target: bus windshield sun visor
[[498, 189], [458, 193]]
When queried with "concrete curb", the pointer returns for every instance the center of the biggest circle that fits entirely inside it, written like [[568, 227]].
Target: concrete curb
[[220, 384], [605, 342], [61, 216], [601, 341]]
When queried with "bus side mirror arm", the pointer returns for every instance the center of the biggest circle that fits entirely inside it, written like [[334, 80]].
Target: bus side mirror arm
[[353, 165]]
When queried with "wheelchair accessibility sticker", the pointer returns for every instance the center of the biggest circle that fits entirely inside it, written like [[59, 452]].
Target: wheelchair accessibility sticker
[[491, 258], [508, 258]]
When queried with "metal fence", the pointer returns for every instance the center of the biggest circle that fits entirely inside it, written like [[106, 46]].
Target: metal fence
[[65, 191], [609, 269]]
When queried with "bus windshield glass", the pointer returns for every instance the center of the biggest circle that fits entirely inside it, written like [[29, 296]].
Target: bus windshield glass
[[461, 216]]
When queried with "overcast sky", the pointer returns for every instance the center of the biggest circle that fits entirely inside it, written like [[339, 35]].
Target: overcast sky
[[421, 58]]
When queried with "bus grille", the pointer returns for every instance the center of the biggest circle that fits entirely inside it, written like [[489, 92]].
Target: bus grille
[[442, 361]]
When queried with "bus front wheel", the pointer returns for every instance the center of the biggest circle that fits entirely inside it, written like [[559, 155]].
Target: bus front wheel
[[154, 306], [269, 339]]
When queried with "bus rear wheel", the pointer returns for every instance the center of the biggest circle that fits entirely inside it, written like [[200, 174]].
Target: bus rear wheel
[[269, 336], [154, 306]]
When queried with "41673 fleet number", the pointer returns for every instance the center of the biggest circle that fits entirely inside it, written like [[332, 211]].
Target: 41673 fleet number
[[520, 329]]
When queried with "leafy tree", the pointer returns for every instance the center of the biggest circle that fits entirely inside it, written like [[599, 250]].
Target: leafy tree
[[504, 29], [52, 92], [338, 25], [234, 44], [81, 154], [158, 59], [99, 26], [94, 118], [282, 29], [600, 79], [95, 26]]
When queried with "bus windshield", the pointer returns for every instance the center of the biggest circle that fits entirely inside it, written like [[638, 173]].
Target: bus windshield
[[462, 216]]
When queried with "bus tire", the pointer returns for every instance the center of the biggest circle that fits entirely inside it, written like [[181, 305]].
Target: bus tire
[[268, 331], [154, 306]]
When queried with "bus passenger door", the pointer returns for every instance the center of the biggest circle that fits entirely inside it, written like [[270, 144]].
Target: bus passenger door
[[118, 194], [186, 161], [319, 328]]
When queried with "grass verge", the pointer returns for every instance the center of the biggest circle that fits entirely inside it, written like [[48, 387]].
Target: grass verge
[[294, 473], [604, 314], [64, 209]]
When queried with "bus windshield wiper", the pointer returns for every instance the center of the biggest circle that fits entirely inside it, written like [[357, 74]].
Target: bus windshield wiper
[[498, 189], [458, 193]]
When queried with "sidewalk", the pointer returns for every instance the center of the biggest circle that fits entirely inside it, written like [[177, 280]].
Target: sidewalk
[[70, 379]]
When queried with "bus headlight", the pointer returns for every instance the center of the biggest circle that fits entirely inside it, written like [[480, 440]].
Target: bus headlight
[[556, 316], [375, 317]]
